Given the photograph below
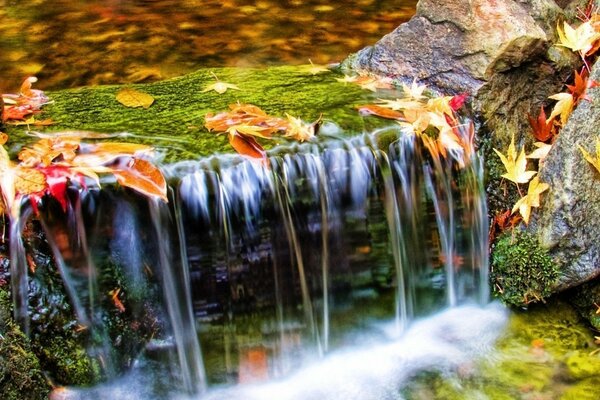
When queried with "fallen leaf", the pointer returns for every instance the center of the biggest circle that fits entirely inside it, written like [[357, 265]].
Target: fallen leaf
[[541, 152], [581, 83], [580, 39], [29, 180], [516, 166], [595, 161], [316, 69], [142, 176], [380, 111], [532, 199], [414, 91], [247, 146], [543, 128], [563, 107], [134, 98]]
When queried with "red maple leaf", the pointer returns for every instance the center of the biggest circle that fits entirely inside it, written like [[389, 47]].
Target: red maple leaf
[[543, 130], [581, 83], [458, 101]]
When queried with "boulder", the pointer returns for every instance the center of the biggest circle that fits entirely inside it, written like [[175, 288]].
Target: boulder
[[567, 222]]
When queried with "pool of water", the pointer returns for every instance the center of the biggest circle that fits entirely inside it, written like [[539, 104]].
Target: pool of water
[[74, 43]]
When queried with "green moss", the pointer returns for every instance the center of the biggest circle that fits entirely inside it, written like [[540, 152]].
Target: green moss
[[21, 375], [521, 270], [175, 122]]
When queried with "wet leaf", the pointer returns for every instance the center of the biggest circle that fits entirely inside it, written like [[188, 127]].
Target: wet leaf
[[247, 146], [29, 180], [380, 111], [143, 177], [134, 98]]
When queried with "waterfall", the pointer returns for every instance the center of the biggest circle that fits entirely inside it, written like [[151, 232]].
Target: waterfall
[[253, 270]]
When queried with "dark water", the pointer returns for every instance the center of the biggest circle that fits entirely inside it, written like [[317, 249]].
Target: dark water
[[75, 43]]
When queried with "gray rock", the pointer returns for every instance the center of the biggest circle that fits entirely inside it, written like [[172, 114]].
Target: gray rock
[[569, 221]]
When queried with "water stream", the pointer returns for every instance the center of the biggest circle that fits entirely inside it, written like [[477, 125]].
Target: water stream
[[268, 271]]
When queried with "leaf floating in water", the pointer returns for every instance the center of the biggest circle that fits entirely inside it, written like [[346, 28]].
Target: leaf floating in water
[[246, 145], [134, 98], [380, 111], [142, 176]]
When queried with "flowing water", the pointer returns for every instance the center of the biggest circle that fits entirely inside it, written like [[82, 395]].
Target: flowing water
[[266, 270]]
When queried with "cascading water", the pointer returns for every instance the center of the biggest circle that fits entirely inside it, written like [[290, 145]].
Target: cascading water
[[265, 269]]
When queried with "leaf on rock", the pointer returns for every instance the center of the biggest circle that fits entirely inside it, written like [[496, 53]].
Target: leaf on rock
[[134, 98], [580, 39], [516, 166], [580, 86], [543, 128], [595, 161], [563, 107], [541, 152], [532, 199], [143, 177]]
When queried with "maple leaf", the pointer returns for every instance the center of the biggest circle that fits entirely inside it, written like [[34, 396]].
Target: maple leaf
[[134, 98], [299, 130], [372, 83], [401, 104], [316, 69], [541, 152], [220, 86], [580, 39], [414, 91], [516, 166], [531, 199], [562, 108], [456, 102], [347, 79], [247, 146], [543, 128], [595, 161], [580, 85]]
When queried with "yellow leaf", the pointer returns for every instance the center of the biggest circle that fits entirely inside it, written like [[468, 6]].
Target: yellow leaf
[[580, 40], [414, 91], [142, 176], [316, 69], [541, 152], [531, 199], [134, 98], [595, 161], [347, 79], [516, 166], [401, 104], [29, 180], [299, 130], [563, 107], [220, 87], [251, 130]]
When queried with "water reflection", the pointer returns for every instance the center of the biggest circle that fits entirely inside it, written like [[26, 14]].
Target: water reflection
[[68, 43]]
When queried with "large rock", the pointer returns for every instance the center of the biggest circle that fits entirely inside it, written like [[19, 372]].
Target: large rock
[[569, 221], [498, 51]]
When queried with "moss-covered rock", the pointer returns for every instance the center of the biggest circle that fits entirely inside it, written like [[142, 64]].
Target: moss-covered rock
[[175, 121], [586, 298], [521, 270]]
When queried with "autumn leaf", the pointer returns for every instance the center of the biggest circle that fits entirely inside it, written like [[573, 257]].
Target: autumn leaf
[[456, 102], [543, 128], [516, 166], [562, 108], [401, 104], [247, 146], [347, 79], [299, 130], [372, 83], [316, 69], [580, 39], [380, 111], [414, 91], [219, 86], [143, 177], [541, 152], [580, 86], [134, 98], [531, 199], [595, 161]]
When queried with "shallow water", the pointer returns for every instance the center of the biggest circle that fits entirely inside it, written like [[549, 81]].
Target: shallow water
[[74, 43]]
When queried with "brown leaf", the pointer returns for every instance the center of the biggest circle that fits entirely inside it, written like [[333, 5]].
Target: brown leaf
[[134, 98], [383, 112], [142, 176], [247, 146]]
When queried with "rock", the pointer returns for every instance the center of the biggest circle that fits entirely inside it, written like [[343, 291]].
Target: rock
[[567, 222], [581, 365]]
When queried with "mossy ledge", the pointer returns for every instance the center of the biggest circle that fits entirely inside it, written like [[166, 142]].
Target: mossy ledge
[[522, 271], [175, 121]]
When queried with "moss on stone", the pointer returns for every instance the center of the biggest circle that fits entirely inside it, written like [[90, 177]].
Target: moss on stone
[[521, 270], [21, 376], [175, 122]]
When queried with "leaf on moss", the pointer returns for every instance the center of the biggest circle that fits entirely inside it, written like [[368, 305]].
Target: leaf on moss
[[134, 98]]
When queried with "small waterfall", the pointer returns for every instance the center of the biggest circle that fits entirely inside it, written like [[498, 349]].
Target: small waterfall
[[253, 271]]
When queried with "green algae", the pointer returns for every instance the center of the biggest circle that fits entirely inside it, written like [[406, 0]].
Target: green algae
[[175, 122], [544, 353]]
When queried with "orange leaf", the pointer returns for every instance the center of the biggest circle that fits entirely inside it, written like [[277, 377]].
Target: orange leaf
[[383, 112], [142, 176], [543, 129], [581, 83], [247, 146]]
